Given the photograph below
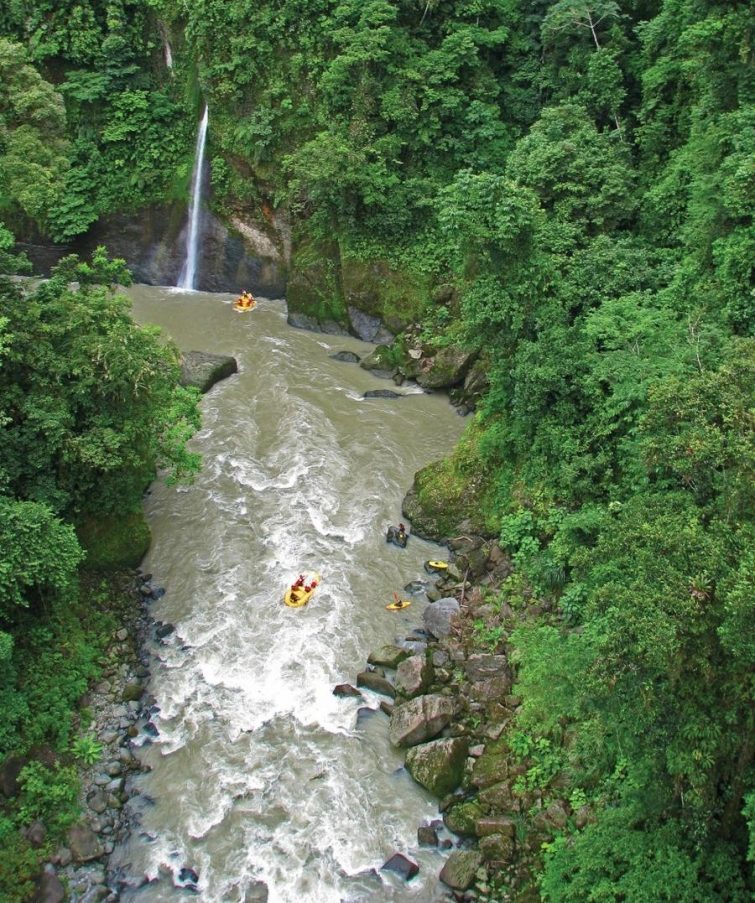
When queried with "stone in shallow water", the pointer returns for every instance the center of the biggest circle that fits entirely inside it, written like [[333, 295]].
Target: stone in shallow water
[[389, 656], [402, 866], [346, 690], [202, 370], [427, 836], [375, 682], [347, 357]]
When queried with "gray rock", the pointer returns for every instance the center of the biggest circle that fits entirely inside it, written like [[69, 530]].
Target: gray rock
[[97, 801], [369, 328], [459, 869], [375, 682], [420, 719], [381, 393], [482, 666], [413, 676], [388, 656], [49, 889], [83, 844], [304, 321], [439, 617], [347, 357], [202, 370], [427, 836], [438, 765]]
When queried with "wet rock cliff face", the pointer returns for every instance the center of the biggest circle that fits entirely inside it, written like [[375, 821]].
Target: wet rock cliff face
[[152, 243]]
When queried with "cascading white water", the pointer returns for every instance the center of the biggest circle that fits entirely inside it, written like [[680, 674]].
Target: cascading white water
[[189, 270]]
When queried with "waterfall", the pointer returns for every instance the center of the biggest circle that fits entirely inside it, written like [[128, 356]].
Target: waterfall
[[188, 272]]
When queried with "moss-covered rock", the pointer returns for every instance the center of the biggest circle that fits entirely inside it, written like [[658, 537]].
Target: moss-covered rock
[[493, 765], [460, 869], [394, 295], [447, 493], [114, 541], [438, 765], [462, 818], [444, 369]]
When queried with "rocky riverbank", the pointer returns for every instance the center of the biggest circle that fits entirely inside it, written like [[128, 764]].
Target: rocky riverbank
[[452, 708], [112, 714]]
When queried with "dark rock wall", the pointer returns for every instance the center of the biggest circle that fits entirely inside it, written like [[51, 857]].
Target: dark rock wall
[[152, 244]]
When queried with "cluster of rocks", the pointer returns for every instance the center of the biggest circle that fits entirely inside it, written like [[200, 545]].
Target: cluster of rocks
[[457, 370], [112, 715], [449, 704]]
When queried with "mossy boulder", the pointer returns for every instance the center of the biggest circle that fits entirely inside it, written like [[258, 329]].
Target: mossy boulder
[[114, 541], [452, 492], [380, 361], [438, 765], [445, 369], [388, 656], [463, 817], [460, 869], [492, 767]]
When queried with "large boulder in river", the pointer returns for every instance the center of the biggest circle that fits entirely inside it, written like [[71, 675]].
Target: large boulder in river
[[376, 682], [414, 675], [380, 362], [443, 370], [439, 617], [439, 764], [202, 370], [420, 719]]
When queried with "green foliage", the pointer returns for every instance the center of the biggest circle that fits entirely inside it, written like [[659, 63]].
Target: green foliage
[[87, 748], [33, 146], [489, 637], [40, 555], [93, 399], [48, 794], [543, 760]]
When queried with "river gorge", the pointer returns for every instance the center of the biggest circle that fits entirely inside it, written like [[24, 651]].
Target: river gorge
[[259, 773]]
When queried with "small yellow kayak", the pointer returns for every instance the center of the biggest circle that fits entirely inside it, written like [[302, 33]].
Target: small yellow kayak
[[398, 604], [436, 565], [297, 597]]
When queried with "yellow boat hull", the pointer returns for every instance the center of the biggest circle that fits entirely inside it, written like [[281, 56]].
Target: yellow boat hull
[[399, 605]]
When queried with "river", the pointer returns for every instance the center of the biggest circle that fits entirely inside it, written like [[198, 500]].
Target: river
[[259, 772]]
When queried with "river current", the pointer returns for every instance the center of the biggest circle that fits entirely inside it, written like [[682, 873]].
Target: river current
[[260, 773]]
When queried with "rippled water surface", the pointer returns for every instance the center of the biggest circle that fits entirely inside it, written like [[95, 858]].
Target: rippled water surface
[[259, 773]]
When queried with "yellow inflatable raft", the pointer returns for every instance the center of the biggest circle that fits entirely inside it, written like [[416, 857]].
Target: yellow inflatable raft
[[298, 597]]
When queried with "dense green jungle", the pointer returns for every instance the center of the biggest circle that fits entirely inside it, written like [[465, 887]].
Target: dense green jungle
[[563, 189]]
